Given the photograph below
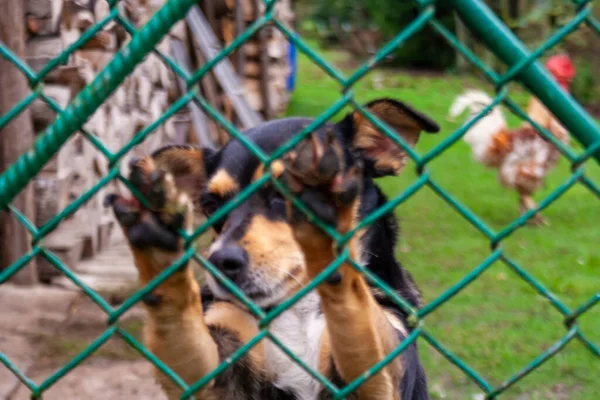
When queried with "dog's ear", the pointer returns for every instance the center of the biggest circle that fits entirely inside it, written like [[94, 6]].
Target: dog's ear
[[190, 166], [380, 154]]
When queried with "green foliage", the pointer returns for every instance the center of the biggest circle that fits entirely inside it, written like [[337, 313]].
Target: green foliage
[[498, 324], [426, 49], [586, 85]]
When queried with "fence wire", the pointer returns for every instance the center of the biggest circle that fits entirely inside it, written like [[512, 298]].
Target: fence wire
[[522, 66]]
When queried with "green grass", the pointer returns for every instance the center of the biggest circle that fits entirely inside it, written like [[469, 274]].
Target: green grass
[[498, 324]]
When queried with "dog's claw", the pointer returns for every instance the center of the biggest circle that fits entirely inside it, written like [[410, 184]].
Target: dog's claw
[[125, 210], [347, 188], [156, 192], [315, 172], [156, 226]]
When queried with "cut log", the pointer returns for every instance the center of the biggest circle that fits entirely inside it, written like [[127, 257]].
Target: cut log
[[103, 40], [227, 109], [66, 243], [251, 69], [253, 92], [265, 91], [40, 50], [247, 7], [144, 91], [215, 9], [97, 59], [42, 114], [45, 9], [98, 122], [16, 138], [119, 98], [208, 82], [230, 82], [251, 49], [150, 68], [180, 124], [277, 45], [38, 8], [104, 231], [77, 17], [40, 26], [158, 103], [179, 31], [228, 30], [240, 25], [101, 10], [51, 196], [198, 117], [69, 75]]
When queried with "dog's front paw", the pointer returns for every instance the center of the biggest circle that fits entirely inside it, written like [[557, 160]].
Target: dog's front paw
[[317, 174], [152, 231]]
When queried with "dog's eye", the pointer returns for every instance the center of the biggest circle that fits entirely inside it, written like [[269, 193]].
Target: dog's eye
[[210, 204]]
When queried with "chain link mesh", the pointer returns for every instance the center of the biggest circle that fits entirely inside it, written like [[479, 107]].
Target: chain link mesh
[[71, 119]]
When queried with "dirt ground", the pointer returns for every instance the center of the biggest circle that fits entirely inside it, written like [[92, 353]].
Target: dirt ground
[[43, 328]]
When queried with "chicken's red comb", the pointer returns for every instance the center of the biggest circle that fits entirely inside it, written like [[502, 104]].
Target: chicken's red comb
[[561, 67]]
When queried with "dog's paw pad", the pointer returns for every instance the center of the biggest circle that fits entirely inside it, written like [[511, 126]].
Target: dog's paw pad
[[315, 162], [157, 224], [316, 173]]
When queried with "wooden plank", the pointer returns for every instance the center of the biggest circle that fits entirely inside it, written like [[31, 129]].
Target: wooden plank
[[214, 9], [240, 58], [45, 9], [246, 7], [264, 69], [228, 79], [17, 137], [199, 119], [39, 51], [66, 243], [210, 92]]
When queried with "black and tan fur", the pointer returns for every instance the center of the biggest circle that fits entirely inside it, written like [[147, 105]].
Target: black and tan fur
[[269, 250]]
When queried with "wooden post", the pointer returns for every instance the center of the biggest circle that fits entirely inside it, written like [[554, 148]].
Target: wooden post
[[240, 59], [15, 138], [264, 68]]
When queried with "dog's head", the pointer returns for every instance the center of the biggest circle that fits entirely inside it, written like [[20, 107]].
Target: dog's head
[[254, 244]]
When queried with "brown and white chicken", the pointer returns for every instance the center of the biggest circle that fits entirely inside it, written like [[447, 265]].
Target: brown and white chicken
[[522, 156]]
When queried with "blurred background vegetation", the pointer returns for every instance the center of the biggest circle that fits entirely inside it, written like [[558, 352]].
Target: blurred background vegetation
[[362, 27], [498, 324]]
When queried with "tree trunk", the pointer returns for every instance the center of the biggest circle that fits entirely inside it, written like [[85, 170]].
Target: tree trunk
[[15, 138]]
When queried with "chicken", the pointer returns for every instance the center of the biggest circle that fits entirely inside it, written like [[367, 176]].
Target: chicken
[[522, 156]]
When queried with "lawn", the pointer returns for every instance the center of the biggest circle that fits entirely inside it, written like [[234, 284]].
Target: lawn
[[498, 324]]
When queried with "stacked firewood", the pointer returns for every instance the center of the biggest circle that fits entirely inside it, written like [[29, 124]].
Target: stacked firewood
[[264, 58], [53, 26]]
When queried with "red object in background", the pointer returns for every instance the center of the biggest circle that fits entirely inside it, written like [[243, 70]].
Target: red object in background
[[561, 67]]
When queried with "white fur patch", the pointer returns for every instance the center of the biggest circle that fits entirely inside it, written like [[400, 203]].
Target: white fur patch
[[300, 329], [480, 136]]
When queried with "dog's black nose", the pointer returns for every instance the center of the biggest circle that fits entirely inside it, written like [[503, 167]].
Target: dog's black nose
[[231, 260]]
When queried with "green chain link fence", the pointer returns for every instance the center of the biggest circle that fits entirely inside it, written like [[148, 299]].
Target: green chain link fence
[[522, 66]]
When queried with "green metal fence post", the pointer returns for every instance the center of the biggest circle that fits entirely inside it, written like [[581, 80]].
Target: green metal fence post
[[522, 65], [501, 41]]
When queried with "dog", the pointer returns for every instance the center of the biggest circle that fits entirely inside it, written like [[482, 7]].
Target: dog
[[269, 249]]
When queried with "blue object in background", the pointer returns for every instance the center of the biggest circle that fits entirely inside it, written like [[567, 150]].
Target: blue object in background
[[291, 82]]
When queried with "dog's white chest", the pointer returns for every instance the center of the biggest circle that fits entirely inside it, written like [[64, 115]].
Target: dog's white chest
[[300, 329]]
